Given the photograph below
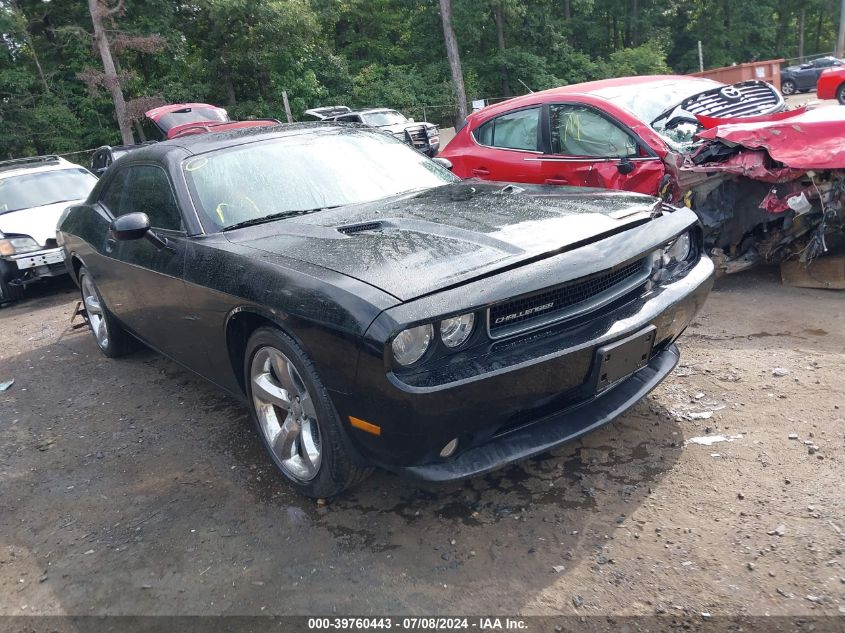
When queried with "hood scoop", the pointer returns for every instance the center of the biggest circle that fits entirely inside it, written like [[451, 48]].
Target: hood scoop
[[360, 228]]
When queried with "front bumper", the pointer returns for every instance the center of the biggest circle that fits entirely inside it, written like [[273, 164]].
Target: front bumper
[[45, 263], [551, 431], [539, 391]]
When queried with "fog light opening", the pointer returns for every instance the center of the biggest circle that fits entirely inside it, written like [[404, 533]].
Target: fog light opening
[[450, 448]]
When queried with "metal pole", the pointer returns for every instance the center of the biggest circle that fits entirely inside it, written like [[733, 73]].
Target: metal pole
[[701, 55], [287, 105]]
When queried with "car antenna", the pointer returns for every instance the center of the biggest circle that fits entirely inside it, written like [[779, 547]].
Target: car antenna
[[526, 86]]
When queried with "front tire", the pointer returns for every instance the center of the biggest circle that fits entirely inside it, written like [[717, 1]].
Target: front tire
[[110, 337], [9, 293], [840, 94], [295, 417], [788, 87]]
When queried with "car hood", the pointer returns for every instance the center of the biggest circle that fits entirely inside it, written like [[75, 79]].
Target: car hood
[[800, 139], [418, 244], [37, 222]]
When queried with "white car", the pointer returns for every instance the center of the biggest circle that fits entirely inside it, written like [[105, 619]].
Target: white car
[[33, 194]]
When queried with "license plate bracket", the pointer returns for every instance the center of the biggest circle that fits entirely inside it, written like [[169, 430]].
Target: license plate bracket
[[620, 359]]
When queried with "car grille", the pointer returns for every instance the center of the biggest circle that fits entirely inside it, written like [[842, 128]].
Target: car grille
[[747, 98], [417, 136], [567, 301]]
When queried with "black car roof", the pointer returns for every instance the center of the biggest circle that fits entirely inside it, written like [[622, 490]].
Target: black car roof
[[201, 143]]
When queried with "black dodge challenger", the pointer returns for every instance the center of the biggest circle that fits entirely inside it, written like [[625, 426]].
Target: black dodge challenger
[[372, 309]]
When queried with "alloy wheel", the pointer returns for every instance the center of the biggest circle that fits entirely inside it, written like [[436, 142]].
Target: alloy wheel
[[94, 309], [286, 414]]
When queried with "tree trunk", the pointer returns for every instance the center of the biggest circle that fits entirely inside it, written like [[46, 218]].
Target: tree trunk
[[801, 35], [500, 40], [98, 11], [840, 41], [634, 28], [454, 58], [31, 46], [567, 10], [230, 89], [140, 131]]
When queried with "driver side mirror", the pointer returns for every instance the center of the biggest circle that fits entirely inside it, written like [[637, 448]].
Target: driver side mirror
[[131, 226], [625, 166]]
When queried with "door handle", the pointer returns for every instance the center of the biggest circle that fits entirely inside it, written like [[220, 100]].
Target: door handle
[[556, 181], [480, 171]]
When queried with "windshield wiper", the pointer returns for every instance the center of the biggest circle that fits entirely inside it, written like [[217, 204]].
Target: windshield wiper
[[273, 216]]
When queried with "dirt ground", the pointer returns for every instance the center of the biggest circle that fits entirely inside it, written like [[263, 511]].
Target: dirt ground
[[132, 487]]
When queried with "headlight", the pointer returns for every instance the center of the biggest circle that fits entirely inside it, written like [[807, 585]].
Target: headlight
[[22, 244], [409, 345], [456, 331], [677, 251]]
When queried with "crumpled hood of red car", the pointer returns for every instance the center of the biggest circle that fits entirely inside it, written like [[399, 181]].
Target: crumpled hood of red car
[[809, 139]]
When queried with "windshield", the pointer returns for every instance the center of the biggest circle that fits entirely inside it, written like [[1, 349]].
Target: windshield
[[306, 172], [648, 101], [387, 117], [190, 115], [46, 187]]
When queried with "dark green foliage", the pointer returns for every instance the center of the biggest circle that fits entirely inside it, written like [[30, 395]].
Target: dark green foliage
[[242, 54]]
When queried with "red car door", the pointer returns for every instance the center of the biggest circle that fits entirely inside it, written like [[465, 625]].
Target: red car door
[[587, 148], [506, 148]]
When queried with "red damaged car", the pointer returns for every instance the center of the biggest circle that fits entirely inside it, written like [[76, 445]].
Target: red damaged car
[[765, 182], [182, 119]]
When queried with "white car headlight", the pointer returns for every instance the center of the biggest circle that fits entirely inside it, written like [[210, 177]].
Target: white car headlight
[[456, 331], [678, 250], [21, 244], [409, 345]]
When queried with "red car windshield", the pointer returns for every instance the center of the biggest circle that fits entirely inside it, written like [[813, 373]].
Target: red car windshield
[[648, 101]]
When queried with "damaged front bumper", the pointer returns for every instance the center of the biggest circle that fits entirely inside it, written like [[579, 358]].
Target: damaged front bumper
[[25, 268], [766, 189]]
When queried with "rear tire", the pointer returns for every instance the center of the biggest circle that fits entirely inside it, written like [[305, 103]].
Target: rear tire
[[109, 335], [296, 419], [788, 87], [840, 94]]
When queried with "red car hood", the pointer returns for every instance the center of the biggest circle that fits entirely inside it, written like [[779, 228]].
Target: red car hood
[[203, 127], [808, 139]]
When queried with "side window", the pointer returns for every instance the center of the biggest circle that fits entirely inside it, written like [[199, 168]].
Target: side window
[[113, 196], [580, 131], [514, 130], [150, 192], [99, 160]]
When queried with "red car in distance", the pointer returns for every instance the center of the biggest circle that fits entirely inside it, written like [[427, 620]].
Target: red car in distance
[[181, 119], [831, 84]]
